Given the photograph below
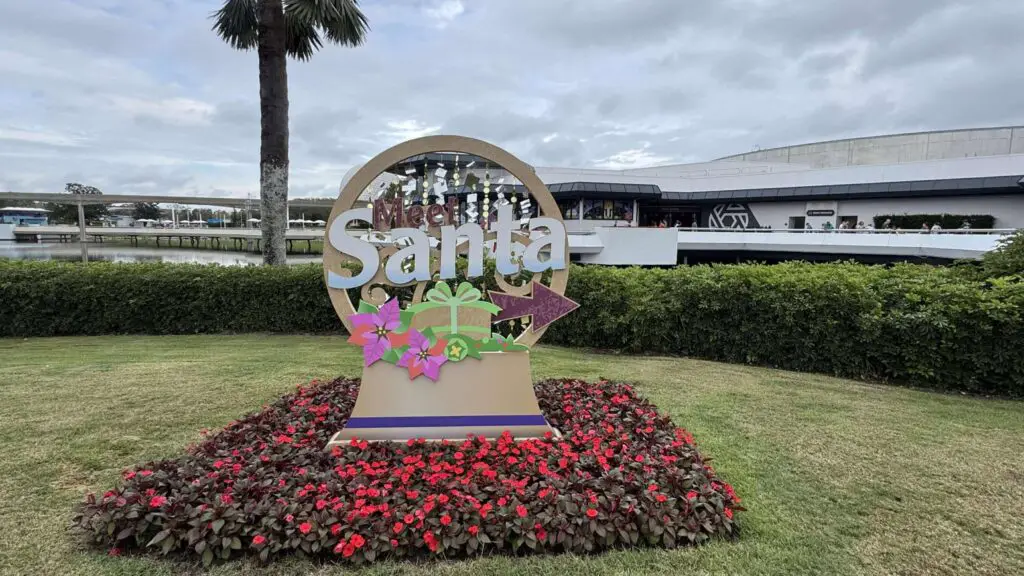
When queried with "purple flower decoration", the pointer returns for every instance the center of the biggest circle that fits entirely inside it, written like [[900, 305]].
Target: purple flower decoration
[[422, 358], [372, 331]]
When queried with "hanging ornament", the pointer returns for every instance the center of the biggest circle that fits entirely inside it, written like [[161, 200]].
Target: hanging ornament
[[440, 184], [524, 210]]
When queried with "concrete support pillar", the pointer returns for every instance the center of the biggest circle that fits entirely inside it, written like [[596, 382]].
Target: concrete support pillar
[[81, 232]]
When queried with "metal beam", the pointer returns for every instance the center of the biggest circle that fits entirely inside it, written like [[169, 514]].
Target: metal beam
[[133, 198], [81, 232]]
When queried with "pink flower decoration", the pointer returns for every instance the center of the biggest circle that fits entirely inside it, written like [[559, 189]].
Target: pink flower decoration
[[422, 358], [372, 331]]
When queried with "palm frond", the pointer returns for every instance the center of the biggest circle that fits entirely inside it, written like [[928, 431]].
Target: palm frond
[[301, 37], [341, 20], [237, 23]]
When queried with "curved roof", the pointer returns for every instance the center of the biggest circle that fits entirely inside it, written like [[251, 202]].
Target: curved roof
[[895, 148]]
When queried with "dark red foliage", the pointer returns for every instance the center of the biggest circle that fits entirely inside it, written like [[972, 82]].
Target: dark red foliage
[[622, 475]]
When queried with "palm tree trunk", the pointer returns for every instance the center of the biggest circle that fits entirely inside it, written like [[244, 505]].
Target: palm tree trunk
[[273, 131]]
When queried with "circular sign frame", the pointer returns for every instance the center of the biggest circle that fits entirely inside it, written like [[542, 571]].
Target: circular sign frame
[[349, 196]]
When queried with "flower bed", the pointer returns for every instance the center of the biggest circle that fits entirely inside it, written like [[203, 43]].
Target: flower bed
[[622, 475]]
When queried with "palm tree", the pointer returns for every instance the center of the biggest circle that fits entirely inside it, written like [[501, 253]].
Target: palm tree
[[278, 29]]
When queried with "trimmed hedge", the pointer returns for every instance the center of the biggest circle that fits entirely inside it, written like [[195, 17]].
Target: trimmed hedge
[[918, 325], [946, 221]]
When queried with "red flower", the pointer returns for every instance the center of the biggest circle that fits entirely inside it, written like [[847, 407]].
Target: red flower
[[431, 541], [115, 551], [605, 427]]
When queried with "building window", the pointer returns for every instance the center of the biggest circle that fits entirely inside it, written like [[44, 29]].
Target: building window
[[607, 210], [570, 209]]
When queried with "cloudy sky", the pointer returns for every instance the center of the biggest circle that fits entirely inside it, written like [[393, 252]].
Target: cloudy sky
[[141, 97]]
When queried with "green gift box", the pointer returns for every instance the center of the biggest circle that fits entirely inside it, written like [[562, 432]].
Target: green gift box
[[464, 310]]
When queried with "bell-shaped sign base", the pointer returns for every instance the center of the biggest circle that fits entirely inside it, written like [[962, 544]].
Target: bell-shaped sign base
[[480, 397]]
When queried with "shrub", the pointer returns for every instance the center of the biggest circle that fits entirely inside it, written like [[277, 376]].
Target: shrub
[[1008, 258], [947, 221], [622, 475], [919, 325]]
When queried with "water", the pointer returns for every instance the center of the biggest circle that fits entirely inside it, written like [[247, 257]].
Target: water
[[72, 252]]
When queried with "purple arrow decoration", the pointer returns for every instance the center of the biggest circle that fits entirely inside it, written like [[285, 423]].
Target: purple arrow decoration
[[545, 306]]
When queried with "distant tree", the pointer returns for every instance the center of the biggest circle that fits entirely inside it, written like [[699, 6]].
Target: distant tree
[[278, 29], [67, 213], [310, 213], [148, 210], [76, 188]]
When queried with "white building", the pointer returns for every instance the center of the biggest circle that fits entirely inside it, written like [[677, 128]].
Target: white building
[[720, 209], [962, 172]]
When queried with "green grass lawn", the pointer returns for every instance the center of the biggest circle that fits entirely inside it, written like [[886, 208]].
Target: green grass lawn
[[839, 477]]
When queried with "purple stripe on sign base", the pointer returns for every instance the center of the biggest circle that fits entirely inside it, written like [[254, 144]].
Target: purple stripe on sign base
[[445, 421]]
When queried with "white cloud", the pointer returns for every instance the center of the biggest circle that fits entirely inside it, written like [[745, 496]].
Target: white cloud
[[634, 158], [445, 12], [181, 111], [40, 137], [407, 129], [144, 96]]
